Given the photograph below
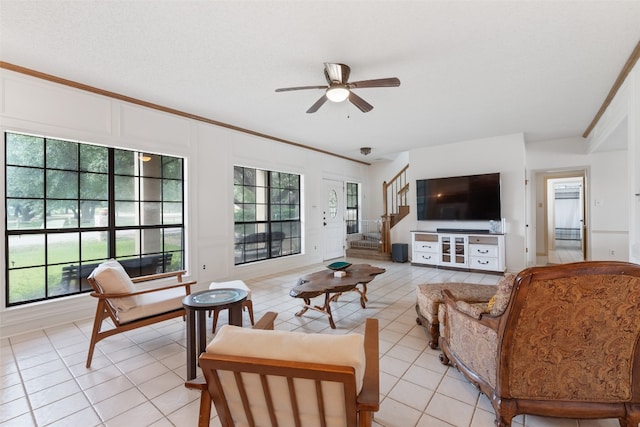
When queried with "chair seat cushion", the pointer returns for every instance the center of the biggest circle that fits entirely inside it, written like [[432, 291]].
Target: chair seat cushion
[[113, 279], [154, 303], [344, 350]]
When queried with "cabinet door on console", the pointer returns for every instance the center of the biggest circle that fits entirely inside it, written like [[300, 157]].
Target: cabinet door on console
[[425, 248], [453, 250], [486, 253]]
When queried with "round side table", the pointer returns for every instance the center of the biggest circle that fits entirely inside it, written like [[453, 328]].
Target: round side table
[[196, 305]]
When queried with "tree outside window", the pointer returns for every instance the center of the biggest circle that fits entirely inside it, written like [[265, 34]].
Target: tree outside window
[[71, 205]]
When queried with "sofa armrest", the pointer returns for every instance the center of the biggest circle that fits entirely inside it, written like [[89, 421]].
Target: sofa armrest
[[472, 342], [458, 305]]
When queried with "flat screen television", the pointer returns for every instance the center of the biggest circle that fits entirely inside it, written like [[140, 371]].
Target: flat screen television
[[469, 198]]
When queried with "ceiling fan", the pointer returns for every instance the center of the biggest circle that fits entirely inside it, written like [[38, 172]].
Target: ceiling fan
[[339, 88]]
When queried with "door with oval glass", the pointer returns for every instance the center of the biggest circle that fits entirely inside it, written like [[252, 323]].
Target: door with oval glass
[[333, 225]]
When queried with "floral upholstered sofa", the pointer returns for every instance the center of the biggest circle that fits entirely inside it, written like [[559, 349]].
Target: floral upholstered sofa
[[560, 341]]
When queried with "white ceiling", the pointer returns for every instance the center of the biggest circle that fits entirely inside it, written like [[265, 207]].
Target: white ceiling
[[468, 69]]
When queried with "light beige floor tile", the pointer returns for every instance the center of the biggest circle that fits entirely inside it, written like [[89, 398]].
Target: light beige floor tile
[[48, 380], [108, 389], [160, 384], [450, 410], [429, 421], [54, 393], [86, 418], [118, 404], [411, 394], [175, 399], [395, 414], [24, 420], [14, 408], [60, 409], [460, 390], [7, 394], [141, 415]]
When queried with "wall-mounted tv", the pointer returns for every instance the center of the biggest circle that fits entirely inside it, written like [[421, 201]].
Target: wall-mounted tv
[[470, 198]]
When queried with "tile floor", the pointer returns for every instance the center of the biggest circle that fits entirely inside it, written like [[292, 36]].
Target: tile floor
[[566, 251], [136, 378]]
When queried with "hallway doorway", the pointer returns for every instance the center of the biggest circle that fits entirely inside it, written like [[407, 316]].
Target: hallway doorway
[[564, 227], [565, 219]]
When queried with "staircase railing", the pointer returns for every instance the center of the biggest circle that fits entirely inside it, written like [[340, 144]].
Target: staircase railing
[[394, 200]]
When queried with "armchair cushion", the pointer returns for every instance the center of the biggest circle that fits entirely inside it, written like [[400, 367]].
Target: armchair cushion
[[501, 298], [113, 279], [346, 350], [152, 303]]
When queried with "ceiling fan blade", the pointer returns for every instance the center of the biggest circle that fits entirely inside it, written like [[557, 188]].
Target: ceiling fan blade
[[336, 72], [388, 82], [363, 105], [317, 105], [285, 89]]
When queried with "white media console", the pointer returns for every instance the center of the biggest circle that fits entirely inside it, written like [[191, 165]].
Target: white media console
[[464, 249]]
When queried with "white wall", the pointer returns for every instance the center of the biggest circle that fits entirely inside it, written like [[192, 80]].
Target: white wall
[[609, 219], [39, 107], [619, 130], [503, 154]]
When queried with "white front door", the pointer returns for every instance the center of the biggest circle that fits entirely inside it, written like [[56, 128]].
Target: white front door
[[333, 225]]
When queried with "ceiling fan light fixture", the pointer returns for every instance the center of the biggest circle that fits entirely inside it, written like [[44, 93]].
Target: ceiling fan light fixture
[[337, 93]]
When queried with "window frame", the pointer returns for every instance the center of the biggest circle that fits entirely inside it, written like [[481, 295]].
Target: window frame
[[63, 277], [352, 208], [264, 226]]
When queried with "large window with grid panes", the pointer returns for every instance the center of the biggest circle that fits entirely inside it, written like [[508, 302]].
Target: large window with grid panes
[[266, 214], [70, 205]]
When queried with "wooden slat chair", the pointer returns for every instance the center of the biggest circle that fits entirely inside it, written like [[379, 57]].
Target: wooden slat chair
[[129, 308], [281, 378]]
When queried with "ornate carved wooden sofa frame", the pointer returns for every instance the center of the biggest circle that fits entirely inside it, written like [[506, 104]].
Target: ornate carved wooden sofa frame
[[567, 344]]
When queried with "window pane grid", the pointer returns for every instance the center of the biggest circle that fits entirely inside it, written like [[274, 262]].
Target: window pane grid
[[266, 214], [58, 225]]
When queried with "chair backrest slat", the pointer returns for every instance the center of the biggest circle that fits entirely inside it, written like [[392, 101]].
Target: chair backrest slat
[[320, 400], [269, 400], [294, 401], [243, 397], [218, 395]]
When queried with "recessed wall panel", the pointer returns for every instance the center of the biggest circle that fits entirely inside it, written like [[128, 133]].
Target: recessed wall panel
[[150, 125], [57, 106]]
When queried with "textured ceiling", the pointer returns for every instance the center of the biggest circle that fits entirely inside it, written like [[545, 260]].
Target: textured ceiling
[[468, 69]]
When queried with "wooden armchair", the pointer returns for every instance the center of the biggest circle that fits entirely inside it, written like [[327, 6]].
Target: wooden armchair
[[129, 308], [560, 341], [270, 378]]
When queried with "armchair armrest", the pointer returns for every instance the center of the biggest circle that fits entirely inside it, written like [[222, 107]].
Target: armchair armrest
[[485, 319], [177, 274], [369, 398], [145, 291], [266, 321]]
